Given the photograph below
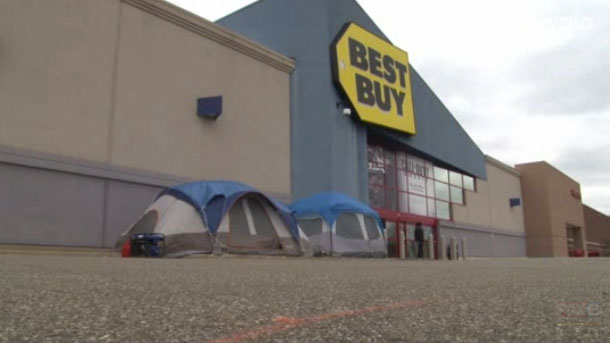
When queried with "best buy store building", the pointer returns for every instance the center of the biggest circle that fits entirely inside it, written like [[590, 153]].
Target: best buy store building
[[401, 150], [98, 119]]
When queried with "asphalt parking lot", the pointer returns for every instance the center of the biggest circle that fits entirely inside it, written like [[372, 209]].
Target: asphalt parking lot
[[50, 298]]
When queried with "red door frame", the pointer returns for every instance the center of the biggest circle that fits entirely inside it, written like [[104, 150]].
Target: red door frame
[[412, 219]]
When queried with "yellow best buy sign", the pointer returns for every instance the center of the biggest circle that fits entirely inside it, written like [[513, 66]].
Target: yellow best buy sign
[[374, 75]]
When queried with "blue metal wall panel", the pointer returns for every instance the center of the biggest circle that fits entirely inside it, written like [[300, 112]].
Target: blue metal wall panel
[[328, 149]]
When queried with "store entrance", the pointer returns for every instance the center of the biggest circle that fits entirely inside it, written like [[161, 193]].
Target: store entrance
[[401, 243]]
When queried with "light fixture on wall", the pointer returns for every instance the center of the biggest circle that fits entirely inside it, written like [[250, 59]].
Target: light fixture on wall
[[210, 107], [514, 202], [345, 110]]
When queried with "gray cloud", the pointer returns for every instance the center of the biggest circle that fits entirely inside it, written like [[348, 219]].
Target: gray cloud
[[574, 78], [448, 79], [590, 165], [568, 80]]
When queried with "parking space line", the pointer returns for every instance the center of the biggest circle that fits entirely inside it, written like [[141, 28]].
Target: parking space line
[[280, 324]]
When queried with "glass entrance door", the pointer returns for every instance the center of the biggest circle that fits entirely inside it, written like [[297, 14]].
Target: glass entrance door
[[393, 234], [411, 244], [395, 230]]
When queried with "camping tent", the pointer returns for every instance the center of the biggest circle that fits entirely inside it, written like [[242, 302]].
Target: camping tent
[[339, 225], [203, 216]]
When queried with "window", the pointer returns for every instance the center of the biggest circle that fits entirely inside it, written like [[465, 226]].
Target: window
[[401, 160], [260, 218], [371, 227], [403, 182], [375, 155], [417, 205], [377, 176], [390, 158], [391, 203], [468, 183], [416, 166], [390, 178], [429, 170], [390, 233], [146, 224], [311, 227], [457, 195], [348, 226], [403, 202], [377, 197], [237, 219], [442, 210], [441, 174], [431, 208], [430, 188], [416, 176], [250, 226], [455, 179], [441, 190]]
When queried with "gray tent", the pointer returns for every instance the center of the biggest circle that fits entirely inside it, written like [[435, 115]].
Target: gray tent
[[201, 217], [339, 225]]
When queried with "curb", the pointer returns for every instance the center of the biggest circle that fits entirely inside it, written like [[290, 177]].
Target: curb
[[16, 249]]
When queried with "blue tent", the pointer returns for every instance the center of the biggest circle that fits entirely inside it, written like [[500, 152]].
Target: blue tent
[[329, 205], [339, 225], [213, 199]]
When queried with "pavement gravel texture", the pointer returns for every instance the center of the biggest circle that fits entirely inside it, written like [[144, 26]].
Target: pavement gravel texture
[[50, 298]]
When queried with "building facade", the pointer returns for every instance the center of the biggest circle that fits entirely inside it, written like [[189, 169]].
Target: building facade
[[98, 105], [435, 174], [491, 217], [553, 211], [598, 231], [100, 109]]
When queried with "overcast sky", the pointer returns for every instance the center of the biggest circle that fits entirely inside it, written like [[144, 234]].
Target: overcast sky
[[528, 80]]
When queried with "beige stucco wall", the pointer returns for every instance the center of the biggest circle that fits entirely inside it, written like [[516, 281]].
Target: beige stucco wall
[[106, 81], [56, 61], [598, 225], [549, 206], [539, 239], [488, 207], [162, 70]]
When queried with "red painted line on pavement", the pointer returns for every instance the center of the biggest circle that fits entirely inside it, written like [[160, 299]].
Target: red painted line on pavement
[[287, 323]]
